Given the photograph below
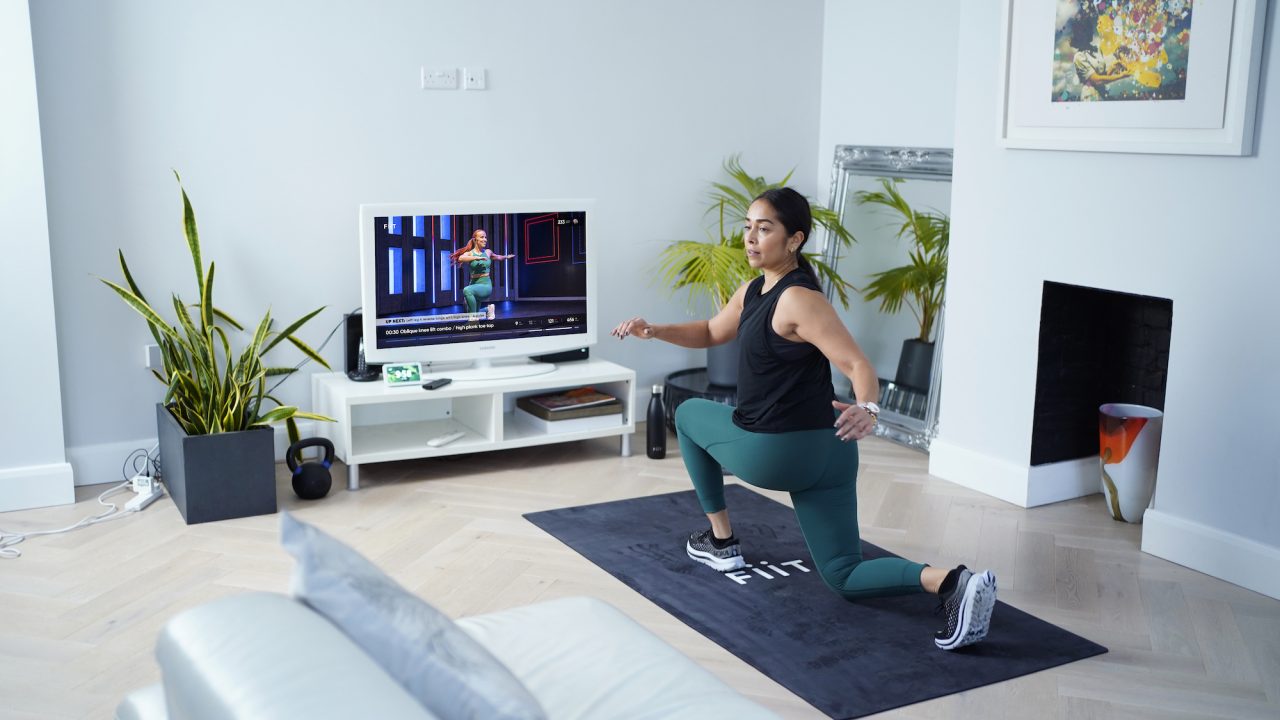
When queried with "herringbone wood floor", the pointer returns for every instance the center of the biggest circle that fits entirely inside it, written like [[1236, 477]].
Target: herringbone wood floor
[[79, 612]]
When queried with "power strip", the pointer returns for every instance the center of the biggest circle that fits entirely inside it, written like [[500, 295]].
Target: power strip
[[144, 498]]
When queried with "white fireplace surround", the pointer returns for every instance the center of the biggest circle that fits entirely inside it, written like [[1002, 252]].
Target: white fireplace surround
[[1195, 230]]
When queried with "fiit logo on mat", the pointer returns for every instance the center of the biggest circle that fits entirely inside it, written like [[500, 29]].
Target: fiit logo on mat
[[742, 576]]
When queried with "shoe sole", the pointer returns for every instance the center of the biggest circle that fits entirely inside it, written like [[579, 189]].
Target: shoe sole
[[975, 613], [736, 562]]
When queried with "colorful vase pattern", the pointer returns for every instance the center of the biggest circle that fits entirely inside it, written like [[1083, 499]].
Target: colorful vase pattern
[[1129, 453]]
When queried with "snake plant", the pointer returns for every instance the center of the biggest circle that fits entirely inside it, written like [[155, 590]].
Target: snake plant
[[210, 389]]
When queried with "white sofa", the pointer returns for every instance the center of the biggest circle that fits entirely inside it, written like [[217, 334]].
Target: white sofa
[[268, 657]]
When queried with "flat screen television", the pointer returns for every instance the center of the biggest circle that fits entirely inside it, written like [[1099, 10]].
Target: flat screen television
[[525, 287]]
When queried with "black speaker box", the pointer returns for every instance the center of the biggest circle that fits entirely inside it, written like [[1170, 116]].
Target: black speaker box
[[566, 356], [353, 331]]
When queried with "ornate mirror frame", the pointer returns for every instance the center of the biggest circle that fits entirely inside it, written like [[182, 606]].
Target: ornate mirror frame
[[917, 429]]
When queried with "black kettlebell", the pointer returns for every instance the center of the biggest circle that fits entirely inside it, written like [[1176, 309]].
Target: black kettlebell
[[311, 480]]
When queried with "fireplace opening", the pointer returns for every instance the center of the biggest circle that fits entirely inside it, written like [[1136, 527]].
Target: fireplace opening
[[1096, 346]]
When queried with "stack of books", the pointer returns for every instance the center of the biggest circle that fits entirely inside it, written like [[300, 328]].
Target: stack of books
[[570, 411]]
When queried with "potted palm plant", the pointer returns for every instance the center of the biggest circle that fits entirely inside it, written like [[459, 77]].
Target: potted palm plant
[[217, 449], [919, 284], [714, 268]]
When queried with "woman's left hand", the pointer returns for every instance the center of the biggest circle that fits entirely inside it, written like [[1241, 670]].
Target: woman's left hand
[[854, 422]]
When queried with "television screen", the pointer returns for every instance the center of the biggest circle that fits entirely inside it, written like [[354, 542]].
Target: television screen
[[491, 281]]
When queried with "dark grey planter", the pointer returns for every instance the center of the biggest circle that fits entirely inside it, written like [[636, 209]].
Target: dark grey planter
[[722, 364], [217, 477], [915, 365]]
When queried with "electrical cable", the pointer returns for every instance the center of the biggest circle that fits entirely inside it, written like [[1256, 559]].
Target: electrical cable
[[9, 539], [307, 359]]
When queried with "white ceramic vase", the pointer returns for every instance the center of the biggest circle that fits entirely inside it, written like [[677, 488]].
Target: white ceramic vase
[[1129, 453]]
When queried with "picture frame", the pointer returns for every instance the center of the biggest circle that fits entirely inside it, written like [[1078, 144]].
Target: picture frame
[[1210, 76]]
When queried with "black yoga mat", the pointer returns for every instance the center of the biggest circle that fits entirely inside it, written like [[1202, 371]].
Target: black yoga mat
[[847, 659]]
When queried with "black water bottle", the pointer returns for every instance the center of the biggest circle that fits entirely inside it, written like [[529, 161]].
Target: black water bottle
[[656, 426]]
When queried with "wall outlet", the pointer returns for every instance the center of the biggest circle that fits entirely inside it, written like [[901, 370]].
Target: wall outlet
[[439, 78], [473, 78], [152, 359]]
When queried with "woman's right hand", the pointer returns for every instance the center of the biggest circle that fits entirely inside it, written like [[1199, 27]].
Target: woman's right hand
[[636, 327]]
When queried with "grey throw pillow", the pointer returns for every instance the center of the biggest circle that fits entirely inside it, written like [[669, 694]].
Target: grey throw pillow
[[450, 673]]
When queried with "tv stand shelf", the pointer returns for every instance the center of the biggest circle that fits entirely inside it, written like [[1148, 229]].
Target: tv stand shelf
[[376, 423]]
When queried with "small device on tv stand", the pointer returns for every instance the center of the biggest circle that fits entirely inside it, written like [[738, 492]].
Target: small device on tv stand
[[362, 373]]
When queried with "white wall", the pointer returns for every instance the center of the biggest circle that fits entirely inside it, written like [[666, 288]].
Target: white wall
[[887, 79], [33, 467], [1197, 230], [282, 118], [888, 76]]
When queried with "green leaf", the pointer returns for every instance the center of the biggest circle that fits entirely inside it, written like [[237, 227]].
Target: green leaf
[[227, 319], [276, 415], [206, 301], [313, 416], [713, 269], [294, 435], [142, 308], [193, 235], [306, 350], [287, 332]]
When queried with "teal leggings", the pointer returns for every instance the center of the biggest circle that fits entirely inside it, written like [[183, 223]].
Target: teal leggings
[[817, 468], [475, 292]]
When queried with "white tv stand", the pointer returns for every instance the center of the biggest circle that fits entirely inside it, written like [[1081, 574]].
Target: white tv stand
[[376, 423]]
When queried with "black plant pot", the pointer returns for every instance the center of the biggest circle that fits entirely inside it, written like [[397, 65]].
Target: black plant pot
[[722, 364], [915, 365], [217, 477]]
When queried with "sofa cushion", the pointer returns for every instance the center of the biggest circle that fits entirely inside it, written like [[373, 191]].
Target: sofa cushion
[[585, 660], [263, 656], [448, 672]]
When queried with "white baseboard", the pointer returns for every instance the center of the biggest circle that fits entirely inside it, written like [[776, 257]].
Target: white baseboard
[[1226, 556], [34, 486], [1066, 480], [105, 462], [1024, 486], [102, 463], [993, 476]]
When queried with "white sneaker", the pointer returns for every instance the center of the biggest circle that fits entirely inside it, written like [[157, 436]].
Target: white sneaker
[[968, 609]]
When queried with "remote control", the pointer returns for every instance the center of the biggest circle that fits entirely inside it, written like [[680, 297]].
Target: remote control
[[445, 439], [437, 383]]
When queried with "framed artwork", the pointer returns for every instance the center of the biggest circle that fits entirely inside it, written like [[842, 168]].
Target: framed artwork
[[1137, 76]]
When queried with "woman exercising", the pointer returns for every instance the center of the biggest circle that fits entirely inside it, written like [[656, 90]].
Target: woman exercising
[[779, 437], [480, 259]]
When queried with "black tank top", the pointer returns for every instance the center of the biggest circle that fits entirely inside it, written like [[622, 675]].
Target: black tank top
[[782, 385]]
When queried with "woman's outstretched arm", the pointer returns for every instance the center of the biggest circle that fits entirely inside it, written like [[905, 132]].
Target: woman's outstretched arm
[[697, 334]]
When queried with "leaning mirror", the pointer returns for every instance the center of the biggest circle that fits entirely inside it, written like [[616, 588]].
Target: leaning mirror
[[896, 203]]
